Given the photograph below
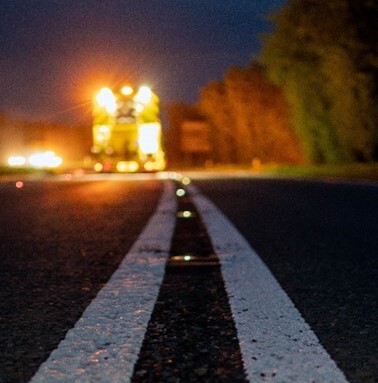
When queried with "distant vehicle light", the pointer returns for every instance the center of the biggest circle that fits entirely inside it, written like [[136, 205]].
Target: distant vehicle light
[[139, 107], [127, 166], [148, 137], [16, 161], [126, 126], [149, 166], [45, 160], [106, 99], [127, 90], [144, 95], [98, 167], [104, 129], [102, 134]]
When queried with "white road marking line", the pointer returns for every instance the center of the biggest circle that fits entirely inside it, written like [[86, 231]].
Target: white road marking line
[[105, 342], [276, 343]]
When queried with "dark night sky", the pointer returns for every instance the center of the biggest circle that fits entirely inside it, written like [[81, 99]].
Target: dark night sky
[[54, 54]]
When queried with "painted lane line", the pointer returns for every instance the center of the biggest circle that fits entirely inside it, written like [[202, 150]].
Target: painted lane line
[[104, 344], [276, 343]]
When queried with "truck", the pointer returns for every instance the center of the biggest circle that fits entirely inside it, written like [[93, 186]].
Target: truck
[[127, 132]]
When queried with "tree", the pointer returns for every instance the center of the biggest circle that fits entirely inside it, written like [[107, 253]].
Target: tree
[[213, 102], [250, 118], [318, 55]]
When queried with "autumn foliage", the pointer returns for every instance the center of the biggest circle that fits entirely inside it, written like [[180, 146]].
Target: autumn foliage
[[250, 119], [322, 58], [324, 55]]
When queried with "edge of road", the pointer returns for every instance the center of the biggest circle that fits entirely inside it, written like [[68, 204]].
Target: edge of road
[[240, 174], [103, 345]]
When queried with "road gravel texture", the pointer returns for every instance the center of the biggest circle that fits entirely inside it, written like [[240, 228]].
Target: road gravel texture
[[191, 336], [320, 242], [59, 244]]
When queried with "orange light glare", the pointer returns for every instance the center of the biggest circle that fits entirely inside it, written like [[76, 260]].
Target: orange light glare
[[98, 167], [19, 184], [16, 161], [45, 160], [144, 95], [127, 90], [106, 99], [101, 134], [127, 166], [139, 108], [148, 137]]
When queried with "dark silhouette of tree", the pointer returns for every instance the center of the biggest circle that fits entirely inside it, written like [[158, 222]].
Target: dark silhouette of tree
[[324, 56]]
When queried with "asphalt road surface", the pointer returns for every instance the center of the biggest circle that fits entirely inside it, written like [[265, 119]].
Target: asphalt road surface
[[59, 244], [320, 240], [61, 241]]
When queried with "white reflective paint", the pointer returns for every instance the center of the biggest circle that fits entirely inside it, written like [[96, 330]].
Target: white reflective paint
[[276, 343], [105, 342]]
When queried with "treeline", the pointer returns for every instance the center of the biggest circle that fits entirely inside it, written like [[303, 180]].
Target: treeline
[[250, 119], [323, 55], [311, 98]]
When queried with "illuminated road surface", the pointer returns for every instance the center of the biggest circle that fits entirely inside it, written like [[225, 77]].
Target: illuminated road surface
[[102, 218], [60, 242]]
